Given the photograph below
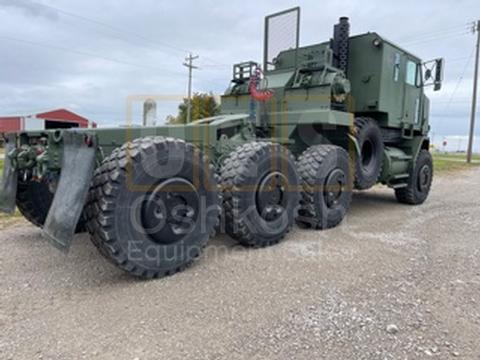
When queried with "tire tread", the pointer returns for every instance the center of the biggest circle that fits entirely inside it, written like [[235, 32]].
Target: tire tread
[[308, 164], [105, 186]]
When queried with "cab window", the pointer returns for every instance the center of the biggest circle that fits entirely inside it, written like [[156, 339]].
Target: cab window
[[411, 76]]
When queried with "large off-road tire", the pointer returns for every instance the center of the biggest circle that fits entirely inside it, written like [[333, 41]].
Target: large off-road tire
[[368, 164], [153, 205], [260, 193], [327, 183], [34, 199], [419, 181]]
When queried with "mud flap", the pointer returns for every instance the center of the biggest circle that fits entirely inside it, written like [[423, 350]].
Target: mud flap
[[8, 189], [78, 164]]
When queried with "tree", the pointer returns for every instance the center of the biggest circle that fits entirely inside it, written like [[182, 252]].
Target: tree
[[203, 105], [171, 119]]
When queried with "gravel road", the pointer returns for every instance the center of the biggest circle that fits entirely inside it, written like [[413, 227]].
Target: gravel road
[[393, 282]]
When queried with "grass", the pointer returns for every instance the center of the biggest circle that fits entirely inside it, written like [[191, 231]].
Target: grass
[[9, 220], [450, 162], [456, 155]]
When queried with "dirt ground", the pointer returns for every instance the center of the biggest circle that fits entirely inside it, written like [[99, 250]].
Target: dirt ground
[[392, 282]]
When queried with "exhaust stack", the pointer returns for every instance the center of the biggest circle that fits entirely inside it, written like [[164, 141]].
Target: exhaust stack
[[339, 44]]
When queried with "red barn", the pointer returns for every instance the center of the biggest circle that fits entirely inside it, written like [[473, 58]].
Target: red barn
[[56, 119]]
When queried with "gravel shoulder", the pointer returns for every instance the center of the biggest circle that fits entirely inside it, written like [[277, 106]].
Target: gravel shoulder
[[392, 282]]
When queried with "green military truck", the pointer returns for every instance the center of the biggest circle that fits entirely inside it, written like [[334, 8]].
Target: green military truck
[[295, 136]]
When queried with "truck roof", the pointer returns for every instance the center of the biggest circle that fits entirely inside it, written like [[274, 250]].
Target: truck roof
[[391, 43], [369, 34]]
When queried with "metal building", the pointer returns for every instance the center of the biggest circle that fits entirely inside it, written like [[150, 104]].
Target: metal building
[[55, 119]]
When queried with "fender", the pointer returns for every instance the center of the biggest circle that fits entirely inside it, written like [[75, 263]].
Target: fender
[[418, 143], [354, 142], [78, 164], [8, 189]]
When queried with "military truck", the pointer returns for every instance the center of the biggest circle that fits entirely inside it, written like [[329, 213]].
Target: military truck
[[296, 135]]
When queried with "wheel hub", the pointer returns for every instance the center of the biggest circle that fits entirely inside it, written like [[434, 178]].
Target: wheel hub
[[170, 211], [424, 177], [272, 196], [334, 187]]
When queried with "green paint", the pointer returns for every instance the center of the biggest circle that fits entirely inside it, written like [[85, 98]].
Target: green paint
[[314, 103]]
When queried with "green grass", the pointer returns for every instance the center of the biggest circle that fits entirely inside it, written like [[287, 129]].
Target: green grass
[[453, 162], [461, 155]]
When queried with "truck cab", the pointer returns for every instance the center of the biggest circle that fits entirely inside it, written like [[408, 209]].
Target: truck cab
[[387, 84]]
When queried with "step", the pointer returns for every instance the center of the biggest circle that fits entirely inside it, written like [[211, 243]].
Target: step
[[400, 176], [398, 186]]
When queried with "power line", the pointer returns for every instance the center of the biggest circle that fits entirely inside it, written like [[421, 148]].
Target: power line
[[121, 31], [435, 33], [88, 54], [465, 101], [459, 80], [216, 66], [210, 81], [112, 28], [453, 31], [443, 37], [457, 59]]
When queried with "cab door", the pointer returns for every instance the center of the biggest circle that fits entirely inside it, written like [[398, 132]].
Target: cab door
[[412, 96]]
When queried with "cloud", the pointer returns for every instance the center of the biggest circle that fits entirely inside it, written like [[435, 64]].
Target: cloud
[[72, 63], [31, 8]]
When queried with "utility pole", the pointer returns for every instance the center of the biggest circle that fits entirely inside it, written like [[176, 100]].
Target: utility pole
[[190, 66], [474, 99]]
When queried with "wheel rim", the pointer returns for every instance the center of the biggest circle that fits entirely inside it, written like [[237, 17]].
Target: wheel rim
[[170, 211], [272, 196], [424, 177], [334, 187]]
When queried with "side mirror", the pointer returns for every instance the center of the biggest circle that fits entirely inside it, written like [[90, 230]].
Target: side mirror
[[439, 63], [433, 73]]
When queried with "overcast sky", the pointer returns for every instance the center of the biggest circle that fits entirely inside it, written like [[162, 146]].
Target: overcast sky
[[89, 56]]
